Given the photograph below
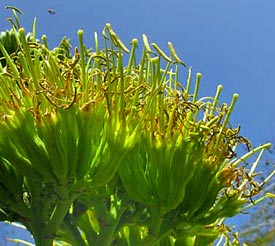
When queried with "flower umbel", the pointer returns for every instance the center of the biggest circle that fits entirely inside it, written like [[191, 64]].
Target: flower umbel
[[93, 152]]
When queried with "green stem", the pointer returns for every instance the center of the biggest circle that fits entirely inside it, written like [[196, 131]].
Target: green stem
[[233, 102], [26, 50], [251, 153], [132, 56], [35, 228], [108, 232], [82, 57], [57, 217], [155, 223], [197, 87], [9, 62], [230, 109], [188, 85], [71, 227], [216, 100]]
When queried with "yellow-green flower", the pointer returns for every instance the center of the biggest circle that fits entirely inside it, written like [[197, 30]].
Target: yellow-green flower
[[95, 152]]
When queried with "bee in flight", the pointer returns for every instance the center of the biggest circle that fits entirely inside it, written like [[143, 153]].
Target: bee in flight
[[51, 11]]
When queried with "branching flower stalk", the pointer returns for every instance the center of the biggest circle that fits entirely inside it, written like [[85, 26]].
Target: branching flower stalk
[[93, 152]]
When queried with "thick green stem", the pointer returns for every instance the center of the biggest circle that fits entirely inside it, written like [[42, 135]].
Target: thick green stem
[[57, 217]]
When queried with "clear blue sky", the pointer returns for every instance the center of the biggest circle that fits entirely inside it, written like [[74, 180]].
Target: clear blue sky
[[230, 42]]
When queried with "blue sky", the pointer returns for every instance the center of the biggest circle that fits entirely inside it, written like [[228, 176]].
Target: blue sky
[[229, 42]]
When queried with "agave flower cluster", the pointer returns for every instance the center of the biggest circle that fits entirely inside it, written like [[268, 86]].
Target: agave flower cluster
[[95, 152]]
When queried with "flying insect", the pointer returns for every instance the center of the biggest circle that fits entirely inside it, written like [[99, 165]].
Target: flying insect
[[51, 11]]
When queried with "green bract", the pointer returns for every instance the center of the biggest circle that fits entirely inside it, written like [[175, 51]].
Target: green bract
[[95, 152]]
